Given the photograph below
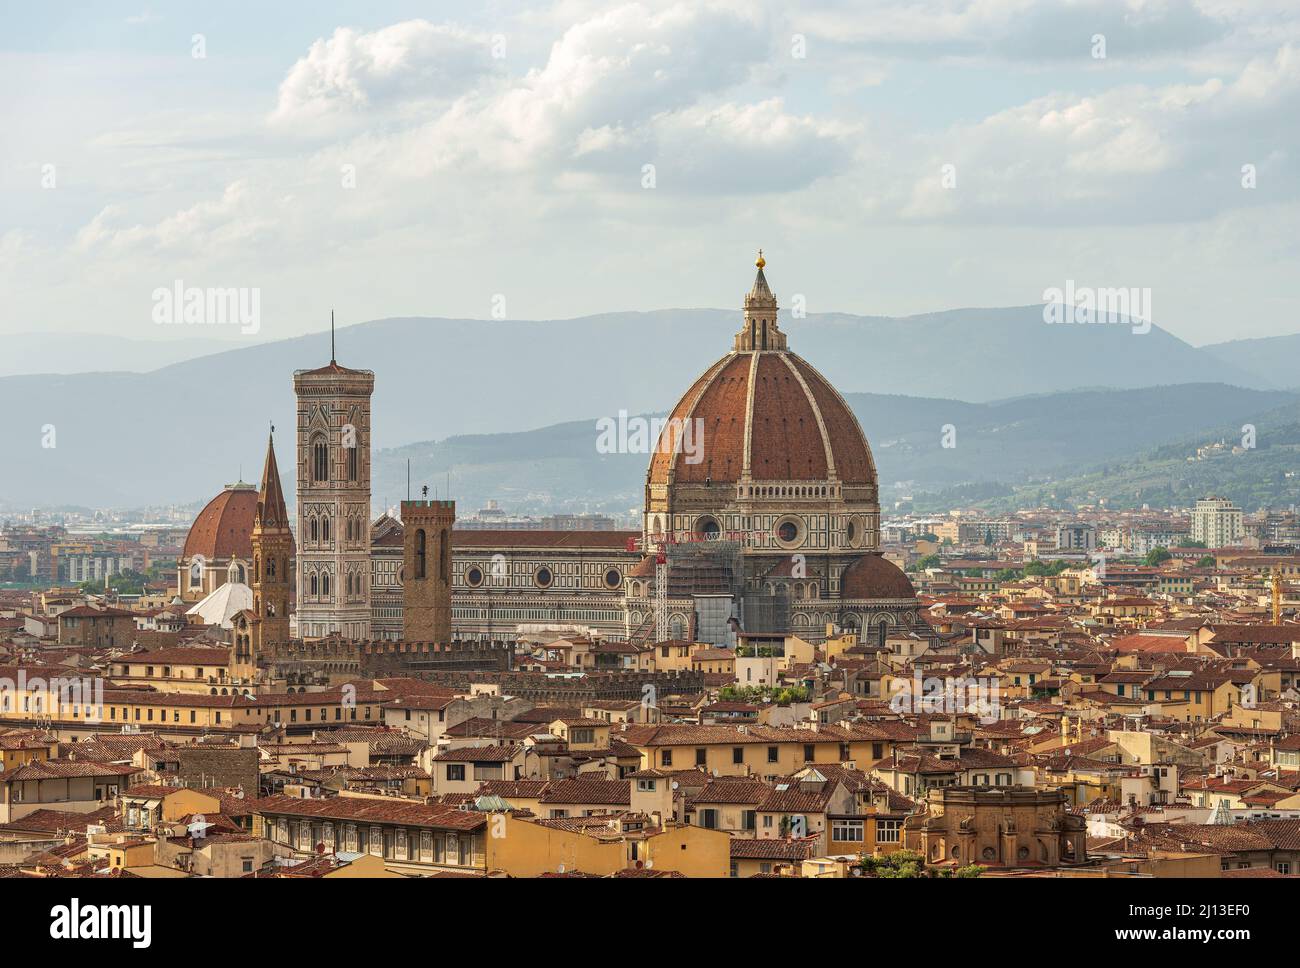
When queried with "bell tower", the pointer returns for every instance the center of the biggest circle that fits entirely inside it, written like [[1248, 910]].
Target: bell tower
[[426, 571], [272, 553], [333, 500]]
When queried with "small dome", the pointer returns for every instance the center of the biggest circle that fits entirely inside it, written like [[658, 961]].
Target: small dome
[[224, 529], [872, 577]]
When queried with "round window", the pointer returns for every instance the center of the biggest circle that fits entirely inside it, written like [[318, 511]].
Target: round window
[[852, 532], [787, 531], [613, 578], [474, 576], [543, 577]]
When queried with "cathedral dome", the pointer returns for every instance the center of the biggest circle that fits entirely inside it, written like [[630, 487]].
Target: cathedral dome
[[873, 578], [224, 528], [765, 414]]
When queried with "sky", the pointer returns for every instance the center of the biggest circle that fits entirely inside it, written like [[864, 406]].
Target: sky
[[539, 161]]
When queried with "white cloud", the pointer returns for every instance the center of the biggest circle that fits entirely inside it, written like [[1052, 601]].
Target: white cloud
[[410, 62]]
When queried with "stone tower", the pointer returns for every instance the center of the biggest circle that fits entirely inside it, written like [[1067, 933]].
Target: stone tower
[[272, 556], [426, 570], [334, 500]]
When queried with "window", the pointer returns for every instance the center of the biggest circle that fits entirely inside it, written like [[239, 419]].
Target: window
[[749, 819], [887, 831], [709, 819], [455, 771], [352, 462], [320, 463], [646, 786], [701, 757], [738, 754], [847, 830], [808, 752], [420, 553], [772, 754], [666, 757]]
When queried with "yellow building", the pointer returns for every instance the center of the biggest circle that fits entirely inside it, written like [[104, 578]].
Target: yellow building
[[603, 845]]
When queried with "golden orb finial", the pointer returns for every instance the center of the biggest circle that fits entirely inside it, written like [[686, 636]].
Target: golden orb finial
[[760, 261]]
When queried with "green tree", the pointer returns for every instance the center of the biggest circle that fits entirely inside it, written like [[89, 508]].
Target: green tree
[[929, 561], [1157, 556], [1206, 562]]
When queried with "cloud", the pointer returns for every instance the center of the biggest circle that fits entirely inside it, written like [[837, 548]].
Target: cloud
[[1017, 30], [409, 63], [1129, 154]]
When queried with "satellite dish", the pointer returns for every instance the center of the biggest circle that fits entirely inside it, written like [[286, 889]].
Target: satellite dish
[[559, 869], [675, 784]]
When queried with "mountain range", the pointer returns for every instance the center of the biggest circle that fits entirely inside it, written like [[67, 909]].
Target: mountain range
[[1059, 394]]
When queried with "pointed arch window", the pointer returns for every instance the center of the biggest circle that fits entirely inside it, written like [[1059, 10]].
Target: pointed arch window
[[352, 462], [325, 529], [315, 586], [314, 528], [419, 553], [325, 585], [320, 459]]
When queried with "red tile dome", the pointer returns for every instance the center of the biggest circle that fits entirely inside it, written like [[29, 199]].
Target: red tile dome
[[224, 528], [766, 415], [873, 578]]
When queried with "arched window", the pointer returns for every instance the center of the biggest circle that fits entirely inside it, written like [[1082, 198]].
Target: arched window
[[314, 585], [320, 459], [314, 528], [419, 553], [325, 529], [444, 555], [270, 568], [352, 462], [325, 585]]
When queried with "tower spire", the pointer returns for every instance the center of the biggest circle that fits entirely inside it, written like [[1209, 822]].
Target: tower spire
[[331, 336], [271, 512], [760, 331]]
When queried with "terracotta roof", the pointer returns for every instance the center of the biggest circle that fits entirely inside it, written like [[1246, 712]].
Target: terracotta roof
[[224, 528], [874, 577], [410, 813], [593, 791], [479, 754], [518, 538], [780, 422], [772, 849]]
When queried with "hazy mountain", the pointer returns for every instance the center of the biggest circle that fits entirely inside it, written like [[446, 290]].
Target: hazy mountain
[[27, 353], [1216, 460], [179, 432], [1011, 441], [1274, 358]]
